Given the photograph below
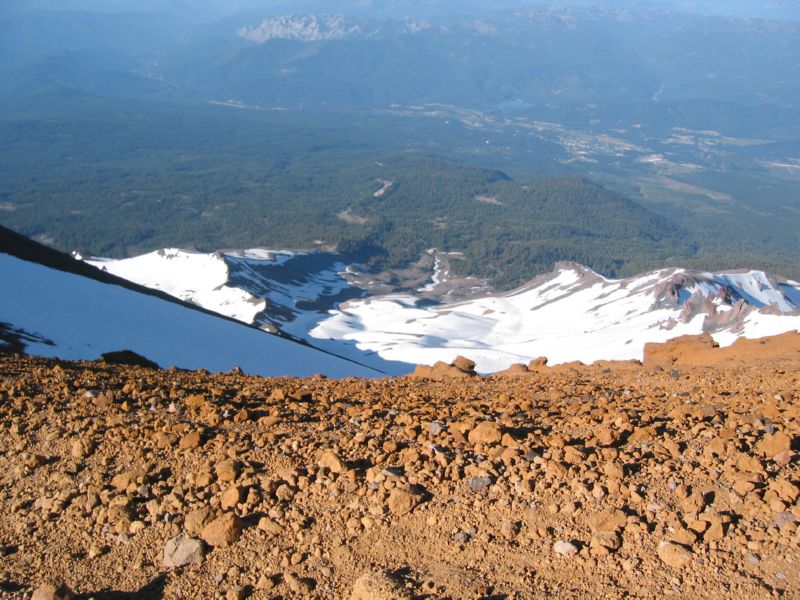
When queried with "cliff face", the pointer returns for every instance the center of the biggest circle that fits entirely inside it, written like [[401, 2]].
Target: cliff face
[[582, 482]]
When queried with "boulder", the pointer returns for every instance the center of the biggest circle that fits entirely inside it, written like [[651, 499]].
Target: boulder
[[223, 531], [181, 551], [127, 358]]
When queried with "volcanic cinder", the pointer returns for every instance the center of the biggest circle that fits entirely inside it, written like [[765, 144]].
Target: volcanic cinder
[[675, 478]]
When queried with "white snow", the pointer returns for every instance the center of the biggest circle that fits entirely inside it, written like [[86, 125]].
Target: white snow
[[574, 314], [84, 318], [758, 325], [566, 318], [262, 254], [436, 277], [205, 280], [191, 276], [755, 288]]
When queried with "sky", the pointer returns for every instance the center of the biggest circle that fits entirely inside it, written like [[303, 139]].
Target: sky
[[781, 9]]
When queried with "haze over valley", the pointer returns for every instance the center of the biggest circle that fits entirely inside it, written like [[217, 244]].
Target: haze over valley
[[387, 137]]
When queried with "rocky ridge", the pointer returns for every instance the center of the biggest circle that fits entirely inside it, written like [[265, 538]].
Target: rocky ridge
[[668, 479], [315, 28]]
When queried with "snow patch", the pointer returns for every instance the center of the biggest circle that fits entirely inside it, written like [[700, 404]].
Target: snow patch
[[84, 318], [574, 315], [570, 314], [191, 276]]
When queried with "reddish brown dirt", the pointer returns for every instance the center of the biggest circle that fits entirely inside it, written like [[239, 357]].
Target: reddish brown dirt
[[571, 482]]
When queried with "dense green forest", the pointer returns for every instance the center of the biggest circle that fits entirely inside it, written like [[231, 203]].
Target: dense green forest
[[486, 129], [126, 178]]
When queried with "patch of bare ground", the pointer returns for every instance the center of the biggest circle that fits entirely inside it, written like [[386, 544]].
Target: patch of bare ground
[[687, 188], [348, 217], [574, 482], [386, 185], [488, 200]]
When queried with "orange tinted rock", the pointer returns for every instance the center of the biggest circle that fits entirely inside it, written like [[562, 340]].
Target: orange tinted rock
[[331, 461], [232, 497], [403, 501], [223, 531], [674, 555], [486, 432], [775, 444], [190, 441]]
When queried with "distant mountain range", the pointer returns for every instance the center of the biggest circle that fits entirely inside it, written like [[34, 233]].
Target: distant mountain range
[[567, 55], [567, 315], [313, 28], [538, 53], [206, 9]]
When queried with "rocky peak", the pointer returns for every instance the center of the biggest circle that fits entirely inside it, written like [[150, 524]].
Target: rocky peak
[[313, 28]]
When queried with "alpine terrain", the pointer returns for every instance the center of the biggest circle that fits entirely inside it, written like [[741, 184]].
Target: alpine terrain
[[571, 314], [399, 299], [55, 306]]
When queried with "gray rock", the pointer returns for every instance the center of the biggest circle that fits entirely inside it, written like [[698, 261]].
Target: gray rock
[[477, 484], [379, 585], [783, 518], [461, 537], [435, 428], [181, 551], [565, 548]]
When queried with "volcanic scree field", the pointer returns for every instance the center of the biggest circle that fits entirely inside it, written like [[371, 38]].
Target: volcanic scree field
[[579, 482]]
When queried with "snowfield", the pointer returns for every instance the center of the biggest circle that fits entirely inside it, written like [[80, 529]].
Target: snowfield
[[191, 276], [570, 314], [78, 318], [274, 290], [573, 315]]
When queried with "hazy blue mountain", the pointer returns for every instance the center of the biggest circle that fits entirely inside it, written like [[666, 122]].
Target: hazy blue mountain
[[765, 9], [540, 56]]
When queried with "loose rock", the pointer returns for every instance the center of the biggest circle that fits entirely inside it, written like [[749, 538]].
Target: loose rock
[[53, 590], [565, 548], [181, 551], [403, 501], [379, 585], [674, 555], [223, 531], [486, 432], [331, 461]]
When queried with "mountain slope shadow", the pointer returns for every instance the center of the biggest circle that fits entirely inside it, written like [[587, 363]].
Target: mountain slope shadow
[[152, 591], [12, 339]]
